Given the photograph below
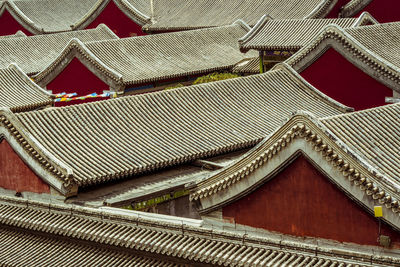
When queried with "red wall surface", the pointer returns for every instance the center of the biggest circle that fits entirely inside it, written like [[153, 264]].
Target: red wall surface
[[76, 78], [301, 201], [384, 10], [117, 21], [16, 175], [8, 25], [338, 78]]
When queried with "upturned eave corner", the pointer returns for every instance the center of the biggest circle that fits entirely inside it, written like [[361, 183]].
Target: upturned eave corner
[[305, 134], [45, 165]]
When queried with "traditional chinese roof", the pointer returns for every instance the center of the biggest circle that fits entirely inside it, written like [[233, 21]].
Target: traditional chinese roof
[[17, 34], [292, 34], [46, 16], [137, 60], [353, 7], [357, 151], [19, 93], [42, 233], [97, 142], [207, 13], [32, 54], [374, 49], [248, 66]]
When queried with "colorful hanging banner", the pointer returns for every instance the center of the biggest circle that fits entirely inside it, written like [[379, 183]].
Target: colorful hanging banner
[[64, 97]]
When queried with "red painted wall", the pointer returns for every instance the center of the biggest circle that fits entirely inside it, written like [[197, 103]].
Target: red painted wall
[[76, 78], [16, 175], [338, 78], [301, 201], [8, 25], [384, 10], [117, 21]]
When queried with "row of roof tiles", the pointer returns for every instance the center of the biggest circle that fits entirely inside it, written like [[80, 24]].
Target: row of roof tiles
[[156, 15], [66, 228], [207, 119]]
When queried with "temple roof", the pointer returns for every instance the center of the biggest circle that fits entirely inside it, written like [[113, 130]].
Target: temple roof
[[358, 151], [33, 53], [353, 7], [46, 16], [19, 93], [373, 49], [209, 13], [144, 59], [98, 142], [42, 233], [292, 34]]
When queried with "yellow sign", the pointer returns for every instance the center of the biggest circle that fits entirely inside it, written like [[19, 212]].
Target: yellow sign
[[378, 211]]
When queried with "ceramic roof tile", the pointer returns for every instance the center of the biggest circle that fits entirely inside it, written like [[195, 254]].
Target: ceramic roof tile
[[291, 35], [34, 53], [158, 57], [131, 135], [19, 93], [208, 13], [52, 233]]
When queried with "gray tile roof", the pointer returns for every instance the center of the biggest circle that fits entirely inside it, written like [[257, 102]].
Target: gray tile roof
[[64, 234], [19, 248], [17, 34], [353, 7], [373, 49], [210, 13], [374, 135], [123, 137], [47, 16], [32, 54], [362, 147], [248, 66], [137, 60], [381, 39], [291, 35], [19, 93]]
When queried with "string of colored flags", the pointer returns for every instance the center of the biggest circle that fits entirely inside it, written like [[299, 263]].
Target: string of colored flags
[[64, 97]]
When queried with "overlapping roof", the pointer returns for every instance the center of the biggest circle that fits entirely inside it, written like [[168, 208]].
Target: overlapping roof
[[374, 49], [291, 34], [19, 93], [107, 140], [129, 61], [41, 233], [46, 16], [362, 147], [208, 13], [32, 54]]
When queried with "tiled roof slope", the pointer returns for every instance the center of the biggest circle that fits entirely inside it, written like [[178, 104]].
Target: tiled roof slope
[[16, 35], [19, 93], [248, 66], [210, 13], [381, 39], [374, 135], [19, 248], [374, 49], [353, 7], [106, 140], [137, 60], [291, 34], [122, 235], [32, 54], [46, 16], [362, 147]]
